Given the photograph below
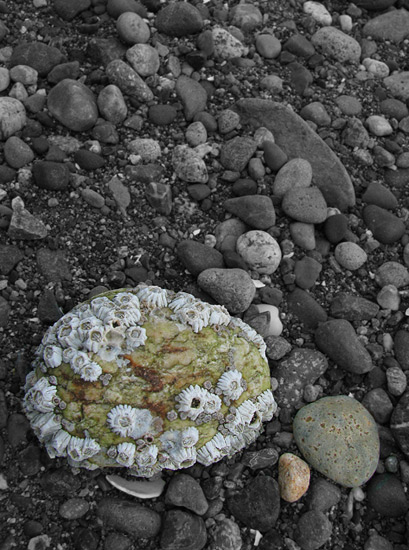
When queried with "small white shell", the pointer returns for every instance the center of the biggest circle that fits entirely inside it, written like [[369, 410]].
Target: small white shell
[[68, 336], [213, 402], [249, 412], [31, 379], [135, 337], [136, 488], [181, 300], [68, 354], [171, 440], [190, 437], [208, 454], [58, 444], [40, 396], [78, 361], [196, 314], [80, 449], [153, 296], [184, 457], [109, 353], [191, 401], [90, 372], [266, 405], [219, 315], [94, 339], [125, 454], [45, 425], [147, 457], [127, 299], [52, 356], [230, 384]]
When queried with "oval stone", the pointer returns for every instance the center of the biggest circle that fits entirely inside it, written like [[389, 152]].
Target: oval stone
[[254, 210], [293, 477], [232, 288], [385, 226], [73, 105], [338, 437], [305, 204], [295, 173], [260, 251], [12, 116], [350, 255]]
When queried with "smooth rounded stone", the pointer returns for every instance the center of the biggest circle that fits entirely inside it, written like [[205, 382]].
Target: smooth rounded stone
[[226, 233], [350, 255], [379, 126], [272, 83], [394, 108], [293, 477], [12, 117], [398, 84], [179, 19], [257, 505], [353, 308], [36, 55], [188, 165], [313, 530], [318, 12], [111, 104], [4, 79], [305, 204], [128, 517], [184, 490], [392, 25], [261, 135], [17, 153], [385, 226], [300, 78], [401, 345], [228, 120], [295, 137], [116, 7], [148, 149], [144, 59], [192, 95], [299, 45], [335, 43], [128, 80], [116, 541], [392, 273], [255, 210], [303, 235], [323, 495], [349, 105], [236, 153], [196, 134], [226, 46], [294, 173], [54, 176], [300, 368], [226, 533], [74, 508], [355, 134], [387, 496], [335, 228], [270, 324], [232, 288], [64, 70], [306, 271], [244, 187], [388, 298], [88, 160], [378, 194], [317, 113], [132, 29], [182, 530], [306, 308], [376, 67], [68, 10], [338, 339], [338, 437], [196, 257], [199, 191], [378, 404], [274, 156], [256, 169], [245, 16], [396, 381], [376, 542], [162, 115], [73, 105], [29, 461], [268, 46]]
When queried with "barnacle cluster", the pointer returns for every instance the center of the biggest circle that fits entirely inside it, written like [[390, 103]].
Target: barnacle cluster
[[148, 378]]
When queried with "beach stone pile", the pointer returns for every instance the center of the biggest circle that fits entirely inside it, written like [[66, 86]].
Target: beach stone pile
[[255, 155]]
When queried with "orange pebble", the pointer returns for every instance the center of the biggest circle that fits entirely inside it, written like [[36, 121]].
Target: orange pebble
[[293, 477]]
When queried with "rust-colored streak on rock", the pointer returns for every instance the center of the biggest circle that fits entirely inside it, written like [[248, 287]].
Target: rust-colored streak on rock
[[147, 374]]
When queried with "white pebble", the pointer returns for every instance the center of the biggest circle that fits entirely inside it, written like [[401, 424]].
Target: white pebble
[[276, 327], [318, 12], [379, 126], [350, 255], [346, 23], [376, 67]]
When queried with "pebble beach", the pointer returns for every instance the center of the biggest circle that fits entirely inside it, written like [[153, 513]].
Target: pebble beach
[[256, 155]]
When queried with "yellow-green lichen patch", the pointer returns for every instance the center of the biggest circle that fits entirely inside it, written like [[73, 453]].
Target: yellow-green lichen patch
[[148, 379], [339, 438]]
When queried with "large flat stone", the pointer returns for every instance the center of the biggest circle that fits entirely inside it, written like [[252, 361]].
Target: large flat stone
[[298, 140]]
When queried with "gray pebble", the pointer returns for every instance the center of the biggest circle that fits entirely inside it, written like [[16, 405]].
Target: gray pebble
[[313, 530], [129, 517], [74, 508], [184, 490], [396, 380], [232, 288], [323, 495], [378, 404]]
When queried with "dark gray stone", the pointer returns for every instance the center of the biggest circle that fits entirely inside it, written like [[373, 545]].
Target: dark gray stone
[[196, 257], [352, 308], [182, 531], [184, 490], [129, 517]]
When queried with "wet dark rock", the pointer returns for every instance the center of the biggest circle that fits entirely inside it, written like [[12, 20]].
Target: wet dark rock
[[184, 490], [385, 226], [313, 530], [387, 496], [68, 10], [10, 256], [53, 265], [378, 194], [196, 257], [323, 495], [17, 429], [129, 517], [335, 228], [54, 176], [257, 211], [236, 153], [306, 308], [257, 460], [86, 539], [88, 160], [179, 19], [401, 345], [37, 55], [29, 461], [182, 531], [59, 483], [352, 307], [48, 310]]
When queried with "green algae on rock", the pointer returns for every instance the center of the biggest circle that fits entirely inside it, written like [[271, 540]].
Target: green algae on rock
[[148, 378], [339, 438]]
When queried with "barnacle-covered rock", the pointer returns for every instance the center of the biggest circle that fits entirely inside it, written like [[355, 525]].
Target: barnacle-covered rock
[[147, 379]]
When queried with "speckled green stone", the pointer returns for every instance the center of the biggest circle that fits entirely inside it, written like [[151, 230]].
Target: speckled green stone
[[338, 437]]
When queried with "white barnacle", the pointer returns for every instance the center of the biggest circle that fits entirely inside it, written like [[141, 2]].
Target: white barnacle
[[109, 352], [219, 315], [82, 448], [191, 401], [57, 446], [236, 442], [45, 425], [190, 436], [212, 403], [184, 457], [267, 405], [166, 462], [68, 354], [125, 454], [230, 384], [82, 311], [52, 356], [101, 306], [171, 440], [235, 424], [147, 457], [135, 337], [40, 396], [31, 379], [78, 361], [68, 336], [181, 300], [208, 454], [94, 339], [153, 296], [196, 314], [220, 442], [129, 421], [250, 414], [90, 372], [127, 299]]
